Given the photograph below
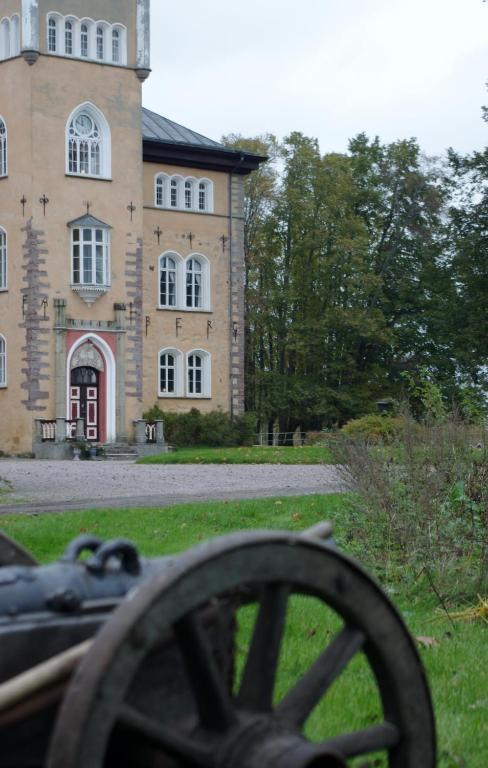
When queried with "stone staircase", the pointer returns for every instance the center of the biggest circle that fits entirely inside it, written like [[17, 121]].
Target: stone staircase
[[118, 452]]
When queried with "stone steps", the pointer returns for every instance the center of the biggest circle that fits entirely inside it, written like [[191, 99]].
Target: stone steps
[[118, 452]]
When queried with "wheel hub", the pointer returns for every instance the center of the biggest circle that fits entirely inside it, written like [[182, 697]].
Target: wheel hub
[[266, 743]]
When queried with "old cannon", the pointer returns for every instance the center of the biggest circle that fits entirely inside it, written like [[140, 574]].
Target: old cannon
[[111, 660]]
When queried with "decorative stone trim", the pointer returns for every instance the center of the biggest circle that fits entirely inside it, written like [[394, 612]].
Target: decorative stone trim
[[134, 286], [35, 351], [237, 286]]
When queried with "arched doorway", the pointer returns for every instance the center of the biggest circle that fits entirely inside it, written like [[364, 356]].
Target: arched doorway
[[93, 352], [85, 399]]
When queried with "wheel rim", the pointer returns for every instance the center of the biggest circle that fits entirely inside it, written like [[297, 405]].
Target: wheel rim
[[235, 731]]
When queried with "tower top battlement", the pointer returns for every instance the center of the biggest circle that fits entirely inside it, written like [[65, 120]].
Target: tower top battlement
[[112, 32]]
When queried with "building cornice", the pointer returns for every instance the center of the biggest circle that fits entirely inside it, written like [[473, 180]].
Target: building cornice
[[227, 161]]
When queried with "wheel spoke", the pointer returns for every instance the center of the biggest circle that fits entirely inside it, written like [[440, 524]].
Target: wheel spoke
[[298, 704], [373, 739], [212, 699], [173, 744], [258, 680]]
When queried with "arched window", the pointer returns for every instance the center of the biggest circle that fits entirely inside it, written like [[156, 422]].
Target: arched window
[[170, 373], [174, 197], [68, 38], [100, 43], [162, 190], [3, 147], [88, 143], [52, 35], [194, 284], [198, 372], [5, 39], [168, 282], [188, 194], [84, 39], [3, 361], [14, 35], [116, 46], [3, 260]]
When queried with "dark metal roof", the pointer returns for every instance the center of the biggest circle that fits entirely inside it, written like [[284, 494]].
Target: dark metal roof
[[89, 222], [167, 142], [158, 128]]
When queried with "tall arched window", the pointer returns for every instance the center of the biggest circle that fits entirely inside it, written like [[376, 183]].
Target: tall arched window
[[68, 38], [174, 196], [14, 35], [167, 281], [52, 35], [3, 361], [162, 190], [84, 40], [3, 260], [5, 38], [88, 143], [203, 196], [116, 46], [3, 147], [194, 284], [170, 373], [188, 194], [198, 374], [100, 43]]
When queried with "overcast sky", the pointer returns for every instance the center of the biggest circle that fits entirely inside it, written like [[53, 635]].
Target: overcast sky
[[327, 68]]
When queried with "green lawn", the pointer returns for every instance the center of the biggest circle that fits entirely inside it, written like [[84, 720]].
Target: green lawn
[[455, 666], [257, 454]]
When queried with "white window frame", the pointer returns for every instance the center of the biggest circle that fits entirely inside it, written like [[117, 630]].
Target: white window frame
[[178, 368], [93, 243], [5, 38], [178, 279], [205, 283], [105, 141], [92, 42], [164, 183], [206, 374], [15, 35], [4, 259], [3, 362], [3, 149]]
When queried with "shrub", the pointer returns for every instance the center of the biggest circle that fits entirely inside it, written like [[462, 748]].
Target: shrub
[[213, 429], [422, 501], [374, 428]]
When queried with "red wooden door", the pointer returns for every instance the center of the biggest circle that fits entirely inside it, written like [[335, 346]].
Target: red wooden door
[[84, 400]]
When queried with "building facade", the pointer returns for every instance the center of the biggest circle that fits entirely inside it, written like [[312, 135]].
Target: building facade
[[121, 233]]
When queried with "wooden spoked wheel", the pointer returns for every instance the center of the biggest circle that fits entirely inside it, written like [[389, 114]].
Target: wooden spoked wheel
[[245, 728]]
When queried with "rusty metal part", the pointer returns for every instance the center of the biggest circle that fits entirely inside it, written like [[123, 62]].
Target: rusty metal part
[[13, 553], [245, 729]]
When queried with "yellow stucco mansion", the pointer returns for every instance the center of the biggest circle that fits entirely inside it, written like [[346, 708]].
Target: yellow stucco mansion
[[121, 234]]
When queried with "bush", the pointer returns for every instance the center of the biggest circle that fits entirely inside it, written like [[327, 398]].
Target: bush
[[215, 429], [374, 428], [422, 502]]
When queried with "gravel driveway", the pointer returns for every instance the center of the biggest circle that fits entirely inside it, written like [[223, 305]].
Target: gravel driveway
[[56, 485]]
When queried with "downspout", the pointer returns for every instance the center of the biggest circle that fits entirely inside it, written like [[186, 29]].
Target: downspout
[[231, 174]]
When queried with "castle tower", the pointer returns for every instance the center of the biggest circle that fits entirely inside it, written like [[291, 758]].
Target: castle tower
[[71, 223]]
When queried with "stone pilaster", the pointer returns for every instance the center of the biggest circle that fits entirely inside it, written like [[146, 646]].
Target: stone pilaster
[[237, 285], [35, 353], [119, 315], [60, 357], [134, 352]]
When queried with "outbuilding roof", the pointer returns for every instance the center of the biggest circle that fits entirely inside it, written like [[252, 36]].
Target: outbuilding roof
[[165, 141]]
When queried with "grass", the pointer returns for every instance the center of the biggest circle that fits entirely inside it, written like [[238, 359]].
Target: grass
[[257, 454], [455, 665]]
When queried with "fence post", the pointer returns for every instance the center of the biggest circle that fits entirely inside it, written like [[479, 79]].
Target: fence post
[[80, 429]]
